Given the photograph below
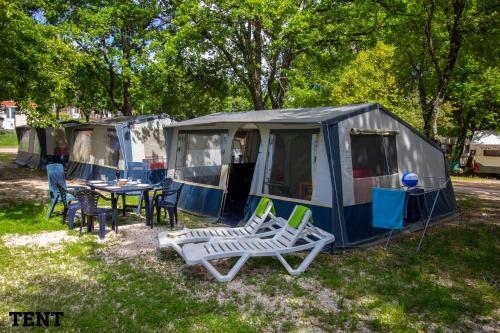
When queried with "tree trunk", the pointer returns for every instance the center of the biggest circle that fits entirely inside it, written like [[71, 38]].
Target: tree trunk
[[444, 74], [127, 99], [459, 146], [126, 49]]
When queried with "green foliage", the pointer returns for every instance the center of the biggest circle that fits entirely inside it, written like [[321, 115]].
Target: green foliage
[[35, 61], [191, 58], [370, 77]]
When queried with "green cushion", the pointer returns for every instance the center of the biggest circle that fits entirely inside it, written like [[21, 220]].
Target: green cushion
[[296, 218], [261, 208]]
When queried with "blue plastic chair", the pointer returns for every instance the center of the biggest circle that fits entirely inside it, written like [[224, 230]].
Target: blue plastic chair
[[88, 200], [70, 209], [55, 174], [136, 171], [168, 199]]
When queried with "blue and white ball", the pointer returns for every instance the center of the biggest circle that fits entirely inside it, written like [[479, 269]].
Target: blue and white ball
[[409, 179]]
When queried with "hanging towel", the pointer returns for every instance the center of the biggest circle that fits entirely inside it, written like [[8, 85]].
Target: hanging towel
[[388, 208]]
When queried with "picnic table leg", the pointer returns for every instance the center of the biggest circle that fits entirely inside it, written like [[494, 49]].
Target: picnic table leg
[[124, 203], [149, 220], [113, 207]]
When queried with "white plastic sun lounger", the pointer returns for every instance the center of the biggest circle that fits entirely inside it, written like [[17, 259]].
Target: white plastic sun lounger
[[289, 239], [257, 226]]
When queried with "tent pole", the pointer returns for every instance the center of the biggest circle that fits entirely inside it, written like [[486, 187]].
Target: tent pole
[[428, 221], [388, 239], [224, 195]]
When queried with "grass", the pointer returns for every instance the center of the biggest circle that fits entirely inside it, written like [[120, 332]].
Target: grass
[[473, 178], [7, 157], [25, 218], [452, 284], [8, 139]]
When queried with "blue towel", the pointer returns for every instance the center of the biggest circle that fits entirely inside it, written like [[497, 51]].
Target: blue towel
[[388, 208]]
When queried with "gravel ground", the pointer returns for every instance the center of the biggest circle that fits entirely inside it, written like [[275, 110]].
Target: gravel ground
[[45, 239]]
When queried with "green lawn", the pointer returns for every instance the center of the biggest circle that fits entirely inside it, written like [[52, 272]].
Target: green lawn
[[8, 139], [7, 157], [452, 284], [473, 178]]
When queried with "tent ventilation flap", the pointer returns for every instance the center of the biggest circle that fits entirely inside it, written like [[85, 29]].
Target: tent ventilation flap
[[360, 131]]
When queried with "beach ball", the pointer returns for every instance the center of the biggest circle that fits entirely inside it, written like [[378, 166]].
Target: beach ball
[[409, 179]]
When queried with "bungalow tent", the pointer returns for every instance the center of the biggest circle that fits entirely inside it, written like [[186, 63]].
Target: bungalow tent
[[328, 159], [99, 149], [486, 148], [38, 147]]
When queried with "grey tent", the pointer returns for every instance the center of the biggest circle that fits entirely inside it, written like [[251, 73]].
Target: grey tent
[[38, 146], [99, 149], [325, 158]]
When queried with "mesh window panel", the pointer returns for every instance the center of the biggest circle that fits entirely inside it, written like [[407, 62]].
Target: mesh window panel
[[113, 151], [24, 144], [199, 157], [290, 164], [82, 147], [373, 155], [36, 143]]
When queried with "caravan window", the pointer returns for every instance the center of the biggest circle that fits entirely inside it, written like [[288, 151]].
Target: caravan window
[[199, 156], [82, 147], [373, 155], [492, 152], [113, 151], [291, 161]]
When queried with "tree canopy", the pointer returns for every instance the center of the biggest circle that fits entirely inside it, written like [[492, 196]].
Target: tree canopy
[[432, 62]]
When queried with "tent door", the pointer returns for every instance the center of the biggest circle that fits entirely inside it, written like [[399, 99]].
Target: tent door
[[245, 149]]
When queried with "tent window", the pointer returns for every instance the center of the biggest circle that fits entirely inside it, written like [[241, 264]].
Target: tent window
[[492, 152], [373, 155], [82, 147], [24, 144], [199, 157], [59, 145], [149, 145], [113, 152], [291, 161], [36, 143]]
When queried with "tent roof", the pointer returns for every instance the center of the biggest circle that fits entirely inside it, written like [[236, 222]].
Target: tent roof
[[486, 138], [282, 116], [125, 120], [63, 123]]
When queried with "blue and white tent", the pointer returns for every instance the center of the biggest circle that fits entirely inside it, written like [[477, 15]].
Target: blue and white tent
[[99, 149], [328, 159], [38, 146]]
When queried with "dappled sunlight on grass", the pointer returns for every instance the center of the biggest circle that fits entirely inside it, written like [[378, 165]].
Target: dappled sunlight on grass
[[27, 217], [450, 284]]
